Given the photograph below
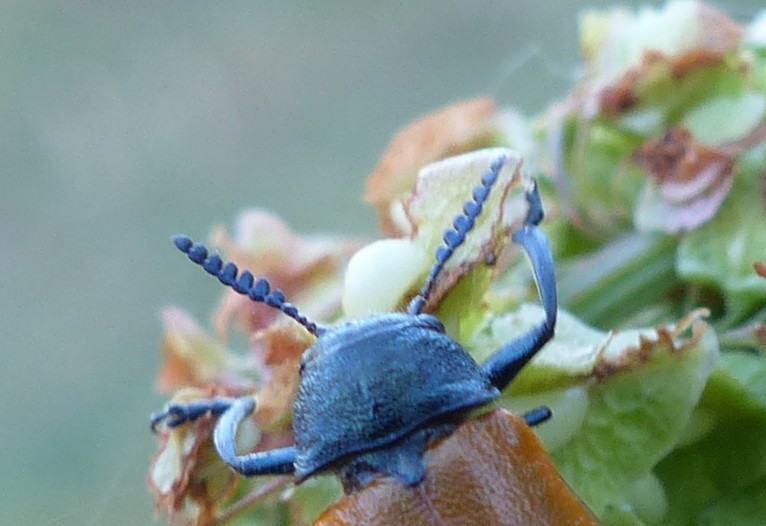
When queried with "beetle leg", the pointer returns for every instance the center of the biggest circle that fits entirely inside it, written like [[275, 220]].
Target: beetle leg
[[175, 415], [537, 416], [232, 411], [503, 366], [273, 462]]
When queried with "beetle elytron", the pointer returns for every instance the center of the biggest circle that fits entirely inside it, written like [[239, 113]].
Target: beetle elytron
[[375, 392]]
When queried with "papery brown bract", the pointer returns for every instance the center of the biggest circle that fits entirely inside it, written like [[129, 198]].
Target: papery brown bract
[[449, 131], [309, 270], [492, 470], [690, 179], [191, 356], [625, 93], [186, 476], [622, 74], [281, 347]]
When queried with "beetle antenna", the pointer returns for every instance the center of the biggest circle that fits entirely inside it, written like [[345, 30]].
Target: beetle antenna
[[455, 236], [244, 282]]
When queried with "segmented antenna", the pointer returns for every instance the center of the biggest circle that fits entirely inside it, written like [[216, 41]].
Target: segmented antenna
[[455, 236], [243, 283]]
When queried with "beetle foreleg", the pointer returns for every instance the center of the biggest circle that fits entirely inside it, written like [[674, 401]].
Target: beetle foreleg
[[503, 366], [273, 462]]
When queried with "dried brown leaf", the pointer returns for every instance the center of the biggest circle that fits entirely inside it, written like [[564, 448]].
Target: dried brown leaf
[[280, 347], [449, 131], [191, 357], [308, 270], [188, 479], [688, 180], [716, 35]]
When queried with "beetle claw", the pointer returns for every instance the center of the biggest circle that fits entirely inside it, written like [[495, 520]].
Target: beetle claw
[[177, 414]]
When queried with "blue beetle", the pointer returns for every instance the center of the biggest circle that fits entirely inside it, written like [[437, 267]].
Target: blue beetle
[[375, 392]]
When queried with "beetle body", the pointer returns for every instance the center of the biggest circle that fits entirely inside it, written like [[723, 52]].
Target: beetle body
[[375, 394], [391, 375]]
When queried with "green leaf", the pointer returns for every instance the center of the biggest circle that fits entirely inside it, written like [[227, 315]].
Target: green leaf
[[708, 476], [565, 360], [646, 497], [622, 278], [722, 251], [743, 508], [619, 516], [602, 186], [635, 417], [726, 119], [721, 465], [314, 496], [738, 386]]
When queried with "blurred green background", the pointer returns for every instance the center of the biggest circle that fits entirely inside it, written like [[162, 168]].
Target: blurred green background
[[121, 124]]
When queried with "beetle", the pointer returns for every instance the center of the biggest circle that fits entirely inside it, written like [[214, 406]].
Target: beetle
[[375, 393]]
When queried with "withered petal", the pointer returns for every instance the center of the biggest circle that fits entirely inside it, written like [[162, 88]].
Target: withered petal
[[191, 357], [688, 181], [457, 128], [307, 269], [712, 35]]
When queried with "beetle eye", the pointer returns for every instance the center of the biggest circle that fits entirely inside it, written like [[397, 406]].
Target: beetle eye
[[432, 322]]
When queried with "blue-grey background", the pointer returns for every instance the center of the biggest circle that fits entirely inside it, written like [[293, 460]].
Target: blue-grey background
[[123, 123]]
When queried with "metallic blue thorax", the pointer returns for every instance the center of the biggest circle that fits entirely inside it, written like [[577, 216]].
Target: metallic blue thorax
[[371, 383]]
